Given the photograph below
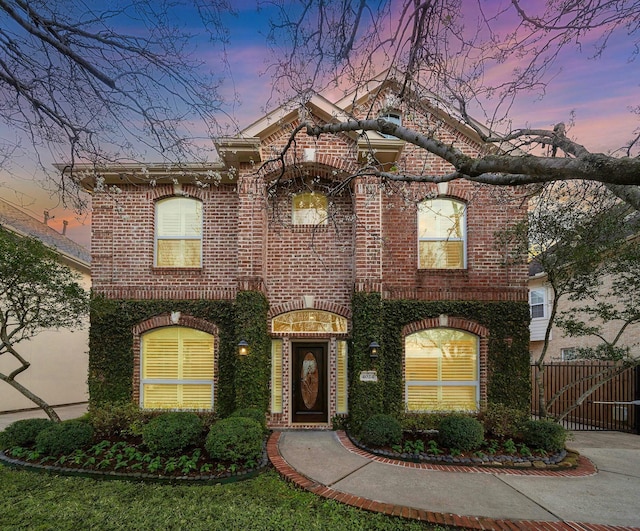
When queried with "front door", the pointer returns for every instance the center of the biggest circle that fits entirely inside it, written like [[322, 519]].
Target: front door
[[310, 382]]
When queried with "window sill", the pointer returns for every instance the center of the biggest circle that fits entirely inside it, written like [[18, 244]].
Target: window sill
[[156, 269]]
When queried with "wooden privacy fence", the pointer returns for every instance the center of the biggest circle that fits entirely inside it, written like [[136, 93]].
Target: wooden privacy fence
[[615, 405]]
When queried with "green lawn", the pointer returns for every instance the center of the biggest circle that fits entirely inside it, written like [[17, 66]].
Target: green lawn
[[43, 502]]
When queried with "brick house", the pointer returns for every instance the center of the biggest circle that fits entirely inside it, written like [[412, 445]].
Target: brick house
[[216, 289]]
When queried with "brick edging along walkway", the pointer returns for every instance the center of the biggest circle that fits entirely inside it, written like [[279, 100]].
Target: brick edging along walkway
[[453, 520], [585, 466]]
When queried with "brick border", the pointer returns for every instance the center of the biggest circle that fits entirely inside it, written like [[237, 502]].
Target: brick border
[[455, 520]]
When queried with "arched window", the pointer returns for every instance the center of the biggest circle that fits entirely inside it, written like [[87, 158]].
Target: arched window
[[309, 321], [309, 208], [442, 234], [178, 232], [177, 369], [441, 370]]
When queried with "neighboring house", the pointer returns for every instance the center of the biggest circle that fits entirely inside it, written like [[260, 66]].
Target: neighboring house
[[380, 297], [59, 359], [561, 347]]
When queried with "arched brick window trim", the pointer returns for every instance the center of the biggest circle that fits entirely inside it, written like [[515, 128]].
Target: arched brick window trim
[[455, 191], [162, 191], [458, 323], [298, 304], [160, 321], [326, 166]]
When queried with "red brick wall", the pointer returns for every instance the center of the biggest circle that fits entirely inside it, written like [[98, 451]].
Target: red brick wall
[[123, 245]]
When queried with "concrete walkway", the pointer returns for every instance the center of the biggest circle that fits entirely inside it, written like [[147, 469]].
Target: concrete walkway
[[606, 496]]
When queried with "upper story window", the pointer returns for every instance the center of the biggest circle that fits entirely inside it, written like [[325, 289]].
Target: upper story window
[[394, 118], [537, 303], [442, 234], [309, 208], [178, 232]]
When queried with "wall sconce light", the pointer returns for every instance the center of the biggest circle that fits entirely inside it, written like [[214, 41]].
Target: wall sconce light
[[373, 350], [243, 348]]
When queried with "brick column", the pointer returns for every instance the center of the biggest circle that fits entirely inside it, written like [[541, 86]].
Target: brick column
[[368, 235]]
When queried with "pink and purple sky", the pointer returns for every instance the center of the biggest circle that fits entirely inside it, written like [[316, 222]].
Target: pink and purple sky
[[601, 92]]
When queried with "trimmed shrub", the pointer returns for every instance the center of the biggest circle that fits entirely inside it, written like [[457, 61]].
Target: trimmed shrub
[[381, 430], [421, 422], [235, 439], [23, 432], [461, 433], [545, 435], [502, 421], [64, 438], [251, 413], [171, 433], [116, 419]]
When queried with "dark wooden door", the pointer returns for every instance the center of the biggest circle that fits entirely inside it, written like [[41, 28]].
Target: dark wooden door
[[310, 382]]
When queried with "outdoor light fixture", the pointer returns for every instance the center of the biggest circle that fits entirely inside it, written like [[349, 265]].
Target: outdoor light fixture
[[373, 350], [243, 348]]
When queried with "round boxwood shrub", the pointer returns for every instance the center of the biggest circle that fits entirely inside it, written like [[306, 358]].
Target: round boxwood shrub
[[460, 432], [64, 438], [235, 439], [381, 430], [503, 421], [23, 432], [545, 435], [172, 433], [251, 413]]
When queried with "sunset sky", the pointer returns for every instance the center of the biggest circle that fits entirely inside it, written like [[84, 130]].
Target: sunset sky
[[601, 93]]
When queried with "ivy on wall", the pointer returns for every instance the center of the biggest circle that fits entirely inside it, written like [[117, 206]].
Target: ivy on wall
[[111, 345], [508, 356], [253, 371]]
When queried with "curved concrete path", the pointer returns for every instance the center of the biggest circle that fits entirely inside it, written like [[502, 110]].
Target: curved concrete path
[[604, 497]]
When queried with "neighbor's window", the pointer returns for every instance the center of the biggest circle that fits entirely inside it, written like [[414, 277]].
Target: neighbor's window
[[441, 370], [309, 208], [394, 118], [441, 234], [568, 354], [178, 232], [537, 303], [177, 369]]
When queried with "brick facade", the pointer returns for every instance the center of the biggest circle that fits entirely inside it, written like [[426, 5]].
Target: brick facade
[[249, 243]]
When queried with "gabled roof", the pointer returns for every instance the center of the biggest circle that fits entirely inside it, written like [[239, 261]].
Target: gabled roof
[[15, 220]]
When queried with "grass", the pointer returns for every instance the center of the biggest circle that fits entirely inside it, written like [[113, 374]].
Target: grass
[[45, 502]]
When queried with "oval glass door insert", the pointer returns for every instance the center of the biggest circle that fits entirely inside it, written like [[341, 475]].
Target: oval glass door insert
[[309, 380]]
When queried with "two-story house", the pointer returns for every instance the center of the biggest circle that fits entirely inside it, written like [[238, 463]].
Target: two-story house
[[304, 286]]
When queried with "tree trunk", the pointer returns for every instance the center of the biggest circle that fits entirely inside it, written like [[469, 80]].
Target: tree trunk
[[31, 396]]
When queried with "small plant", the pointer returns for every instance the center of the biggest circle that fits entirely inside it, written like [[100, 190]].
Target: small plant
[[509, 447], [455, 452], [524, 450], [23, 432], [544, 434], [235, 439], [491, 447], [460, 432], [64, 437], [172, 433], [381, 430], [433, 448]]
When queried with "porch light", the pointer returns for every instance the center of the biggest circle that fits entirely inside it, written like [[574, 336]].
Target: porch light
[[373, 350], [243, 348]]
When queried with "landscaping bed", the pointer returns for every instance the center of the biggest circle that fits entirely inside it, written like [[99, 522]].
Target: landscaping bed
[[126, 443], [498, 437]]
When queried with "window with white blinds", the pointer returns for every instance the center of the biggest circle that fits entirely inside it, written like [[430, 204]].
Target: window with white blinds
[[441, 370], [309, 208], [441, 234], [177, 369], [276, 376], [342, 379], [178, 232]]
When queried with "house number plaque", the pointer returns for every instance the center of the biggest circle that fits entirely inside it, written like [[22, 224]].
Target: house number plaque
[[368, 376]]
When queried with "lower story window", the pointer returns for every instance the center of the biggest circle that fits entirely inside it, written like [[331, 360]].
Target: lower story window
[[177, 369], [441, 370]]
